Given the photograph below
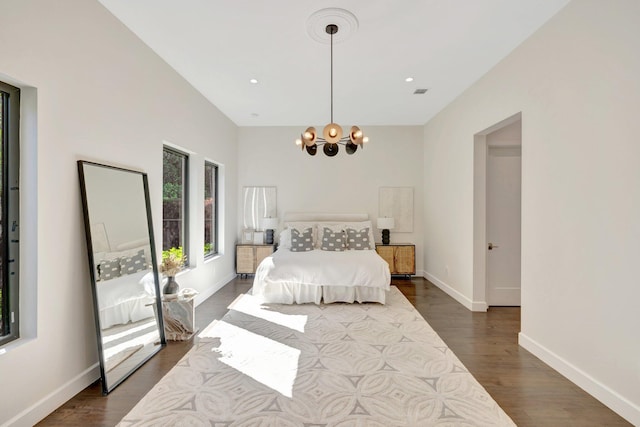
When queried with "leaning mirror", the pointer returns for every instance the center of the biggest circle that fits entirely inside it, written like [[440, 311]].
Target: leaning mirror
[[123, 269]]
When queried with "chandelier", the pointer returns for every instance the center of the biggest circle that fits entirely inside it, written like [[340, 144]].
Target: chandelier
[[332, 134]]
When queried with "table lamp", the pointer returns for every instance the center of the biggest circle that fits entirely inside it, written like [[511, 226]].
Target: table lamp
[[269, 224], [385, 224]]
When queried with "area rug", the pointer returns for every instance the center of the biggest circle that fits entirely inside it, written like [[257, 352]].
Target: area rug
[[318, 365]]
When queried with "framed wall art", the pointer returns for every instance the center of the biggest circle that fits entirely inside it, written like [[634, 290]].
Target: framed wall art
[[397, 203], [247, 235]]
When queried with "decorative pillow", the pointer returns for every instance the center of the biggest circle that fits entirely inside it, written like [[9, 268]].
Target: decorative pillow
[[302, 241], [332, 240], [109, 269], [333, 226], [358, 240], [133, 263], [303, 225], [359, 225]]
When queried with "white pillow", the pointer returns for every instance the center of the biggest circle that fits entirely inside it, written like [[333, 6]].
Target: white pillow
[[359, 226], [284, 239]]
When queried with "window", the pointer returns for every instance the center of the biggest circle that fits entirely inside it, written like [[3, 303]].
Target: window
[[210, 209], [174, 201], [9, 211]]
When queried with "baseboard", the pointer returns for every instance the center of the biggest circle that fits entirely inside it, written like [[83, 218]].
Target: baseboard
[[462, 299], [202, 297], [45, 406], [604, 394], [39, 410]]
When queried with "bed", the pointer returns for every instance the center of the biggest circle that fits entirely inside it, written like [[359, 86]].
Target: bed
[[124, 284], [329, 259], [126, 298]]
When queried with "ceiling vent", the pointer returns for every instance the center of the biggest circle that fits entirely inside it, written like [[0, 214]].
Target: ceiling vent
[[420, 91]]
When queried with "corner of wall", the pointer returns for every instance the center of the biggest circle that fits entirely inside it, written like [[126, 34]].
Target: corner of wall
[[455, 294], [604, 394]]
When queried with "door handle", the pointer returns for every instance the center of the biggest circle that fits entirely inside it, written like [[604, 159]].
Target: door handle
[[491, 246]]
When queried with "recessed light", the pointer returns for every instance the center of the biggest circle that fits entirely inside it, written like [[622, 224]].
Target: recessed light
[[408, 79], [254, 81]]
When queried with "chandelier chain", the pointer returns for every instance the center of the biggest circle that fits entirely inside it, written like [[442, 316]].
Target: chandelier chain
[[331, 34]]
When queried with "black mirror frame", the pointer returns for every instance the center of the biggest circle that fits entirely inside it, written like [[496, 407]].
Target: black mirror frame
[[107, 388]]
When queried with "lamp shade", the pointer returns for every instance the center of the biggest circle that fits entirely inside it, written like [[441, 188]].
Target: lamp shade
[[386, 223], [269, 223]]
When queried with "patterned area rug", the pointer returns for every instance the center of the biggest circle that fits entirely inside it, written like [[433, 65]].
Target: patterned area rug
[[319, 365]]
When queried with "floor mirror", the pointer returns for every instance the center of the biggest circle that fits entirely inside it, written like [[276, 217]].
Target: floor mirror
[[123, 269]]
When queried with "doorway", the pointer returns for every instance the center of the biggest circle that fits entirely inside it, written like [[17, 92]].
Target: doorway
[[497, 214]]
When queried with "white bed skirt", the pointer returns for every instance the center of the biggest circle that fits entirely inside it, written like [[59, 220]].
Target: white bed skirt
[[303, 294], [316, 276]]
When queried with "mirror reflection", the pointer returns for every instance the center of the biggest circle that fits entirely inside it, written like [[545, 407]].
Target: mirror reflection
[[123, 269]]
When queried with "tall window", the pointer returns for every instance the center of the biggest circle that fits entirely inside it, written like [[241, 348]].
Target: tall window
[[174, 201], [210, 209], [9, 213]]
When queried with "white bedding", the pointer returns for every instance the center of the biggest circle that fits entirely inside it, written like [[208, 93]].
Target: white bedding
[[300, 277], [126, 298]]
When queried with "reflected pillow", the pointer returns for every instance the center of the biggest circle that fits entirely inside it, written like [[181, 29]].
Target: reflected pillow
[[133, 263], [109, 269], [358, 240], [302, 241], [332, 240]]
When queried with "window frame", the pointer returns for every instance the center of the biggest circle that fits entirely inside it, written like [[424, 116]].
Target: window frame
[[185, 201], [215, 210], [10, 206]]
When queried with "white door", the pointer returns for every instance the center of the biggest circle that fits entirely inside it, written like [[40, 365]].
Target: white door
[[503, 225]]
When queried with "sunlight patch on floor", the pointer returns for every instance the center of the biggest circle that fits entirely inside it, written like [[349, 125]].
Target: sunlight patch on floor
[[251, 305], [267, 361], [132, 330], [141, 340]]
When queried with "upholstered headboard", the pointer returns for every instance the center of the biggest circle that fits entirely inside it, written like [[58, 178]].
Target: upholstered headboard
[[324, 217]]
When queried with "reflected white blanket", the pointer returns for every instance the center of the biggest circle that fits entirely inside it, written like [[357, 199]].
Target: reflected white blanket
[[124, 299]]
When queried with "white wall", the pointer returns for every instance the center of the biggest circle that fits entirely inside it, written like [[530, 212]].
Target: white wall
[[576, 83], [344, 183], [104, 96]]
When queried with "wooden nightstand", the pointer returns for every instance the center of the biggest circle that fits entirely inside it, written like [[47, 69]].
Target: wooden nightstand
[[248, 257], [401, 257]]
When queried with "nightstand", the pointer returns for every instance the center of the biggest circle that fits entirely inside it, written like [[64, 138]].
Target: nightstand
[[401, 257], [179, 315], [248, 257]]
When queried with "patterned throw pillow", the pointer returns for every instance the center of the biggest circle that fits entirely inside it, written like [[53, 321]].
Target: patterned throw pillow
[[133, 263], [302, 241], [109, 269], [358, 240], [332, 240]]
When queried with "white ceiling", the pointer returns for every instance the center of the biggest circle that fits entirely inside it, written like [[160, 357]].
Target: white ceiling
[[445, 45]]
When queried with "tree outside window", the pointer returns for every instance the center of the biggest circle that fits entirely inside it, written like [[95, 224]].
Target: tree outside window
[[174, 201], [210, 209]]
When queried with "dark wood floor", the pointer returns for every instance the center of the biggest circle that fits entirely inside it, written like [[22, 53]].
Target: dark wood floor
[[530, 392]]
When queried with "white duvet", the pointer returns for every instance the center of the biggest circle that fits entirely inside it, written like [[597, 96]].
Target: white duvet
[[323, 268], [126, 298]]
